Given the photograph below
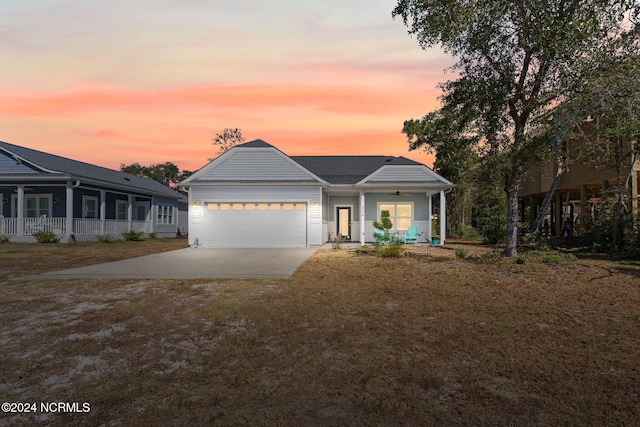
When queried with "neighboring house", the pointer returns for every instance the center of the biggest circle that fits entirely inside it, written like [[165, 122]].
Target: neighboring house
[[254, 195], [580, 190], [41, 191]]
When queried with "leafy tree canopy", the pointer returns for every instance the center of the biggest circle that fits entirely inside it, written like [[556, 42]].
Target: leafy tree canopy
[[515, 60], [165, 173]]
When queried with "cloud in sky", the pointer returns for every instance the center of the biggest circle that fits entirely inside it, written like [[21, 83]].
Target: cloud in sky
[[113, 82]]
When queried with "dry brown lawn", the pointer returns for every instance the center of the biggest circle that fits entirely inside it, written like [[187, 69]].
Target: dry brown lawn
[[19, 259], [349, 340]]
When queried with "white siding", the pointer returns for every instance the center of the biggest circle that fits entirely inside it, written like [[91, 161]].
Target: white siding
[[394, 174], [253, 194], [198, 225], [247, 165]]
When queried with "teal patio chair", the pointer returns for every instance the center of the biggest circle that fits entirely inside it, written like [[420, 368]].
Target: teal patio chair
[[411, 236], [379, 235]]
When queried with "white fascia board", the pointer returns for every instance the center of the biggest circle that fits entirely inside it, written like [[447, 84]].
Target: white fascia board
[[211, 165], [424, 168]]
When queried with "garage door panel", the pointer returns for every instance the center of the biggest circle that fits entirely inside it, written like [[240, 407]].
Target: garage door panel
[[256, 228]]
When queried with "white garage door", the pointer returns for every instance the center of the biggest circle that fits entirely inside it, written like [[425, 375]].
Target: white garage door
[[256, 225]]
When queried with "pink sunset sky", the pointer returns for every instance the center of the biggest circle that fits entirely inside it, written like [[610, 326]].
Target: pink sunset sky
[[111, 82]]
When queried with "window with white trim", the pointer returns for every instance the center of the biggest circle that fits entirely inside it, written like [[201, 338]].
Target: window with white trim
[[35, 205], [89, 207], [400, 214], [121, 210], [165, 214]]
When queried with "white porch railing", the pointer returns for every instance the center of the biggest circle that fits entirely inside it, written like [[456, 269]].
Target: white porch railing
[[115, 226], [82, 226], [8, 226], [87, 226], [33, 225], [111, 226]]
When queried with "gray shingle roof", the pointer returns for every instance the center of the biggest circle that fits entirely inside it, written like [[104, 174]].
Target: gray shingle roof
[[348, 169], [80, 170], [255, 143]]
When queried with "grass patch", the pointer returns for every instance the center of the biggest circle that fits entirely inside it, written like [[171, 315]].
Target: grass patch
[[557, 258]]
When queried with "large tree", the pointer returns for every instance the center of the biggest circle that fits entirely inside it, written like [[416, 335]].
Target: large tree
[[514, 59]]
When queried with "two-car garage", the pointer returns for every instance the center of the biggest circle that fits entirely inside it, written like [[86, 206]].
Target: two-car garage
[[252, 224]]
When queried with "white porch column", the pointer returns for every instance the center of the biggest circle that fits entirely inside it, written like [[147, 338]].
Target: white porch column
[[103, 211], [20, 218], [130, 212], [69, 209], [429, 217], [152, 216], [362, 228], [443, 218]]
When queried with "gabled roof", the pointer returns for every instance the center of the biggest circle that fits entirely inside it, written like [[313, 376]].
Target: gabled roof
[[51, 165], [241, 165], [255, 143], [348, 169]]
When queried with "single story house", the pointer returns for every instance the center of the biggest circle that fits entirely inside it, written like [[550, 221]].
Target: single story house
[[254, 195], [76, 200]]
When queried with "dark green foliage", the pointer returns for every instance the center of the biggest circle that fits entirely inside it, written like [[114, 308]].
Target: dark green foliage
[[4, 239], [165, 173], [557, 258], [46, 237], [393, 251], [461, 253], [384, 225], [605, 233], [522, 259], [515, 61], [132, 235], [490, 214], [105, 238]]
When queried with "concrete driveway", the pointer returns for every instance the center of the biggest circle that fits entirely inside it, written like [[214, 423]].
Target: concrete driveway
[[195, 264]]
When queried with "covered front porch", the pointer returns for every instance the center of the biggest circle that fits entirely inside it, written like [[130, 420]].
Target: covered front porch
[[71, 211], [350, 213]]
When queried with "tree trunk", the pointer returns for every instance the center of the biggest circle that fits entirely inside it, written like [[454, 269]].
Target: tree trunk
[[512, 186], [618, 226]]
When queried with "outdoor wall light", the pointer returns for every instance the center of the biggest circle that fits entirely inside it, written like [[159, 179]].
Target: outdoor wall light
[[56, 201], [194, 205], [314, 205], [5, 201]]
